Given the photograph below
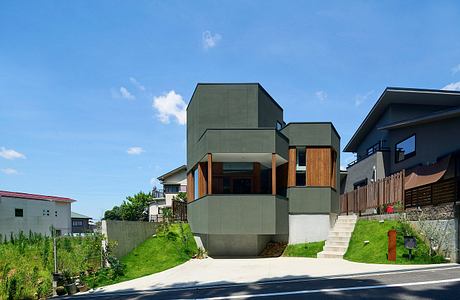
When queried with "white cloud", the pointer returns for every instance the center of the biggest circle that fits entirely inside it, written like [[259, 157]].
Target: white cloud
[[9, 171], [454, 86], [126, 94], [360, 99], [170, 105], [135, 150], [137, 84], [10, 153], [456, 69], [321, 95], [210, 40]]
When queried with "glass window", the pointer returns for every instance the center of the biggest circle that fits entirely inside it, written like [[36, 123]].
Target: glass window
[[171, 189], [279, 125], [236, 167], [77, 223], [405, 149], [19, 212], [301, 167]]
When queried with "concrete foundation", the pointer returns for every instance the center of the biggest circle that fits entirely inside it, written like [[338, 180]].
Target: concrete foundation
[[307, 228], [233, 244]]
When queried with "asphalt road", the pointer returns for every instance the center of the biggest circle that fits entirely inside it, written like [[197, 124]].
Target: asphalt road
[[430, 283]]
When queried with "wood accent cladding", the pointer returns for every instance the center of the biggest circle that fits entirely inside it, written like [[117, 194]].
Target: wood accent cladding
[[190, 187], [202, 184], [292, 158], [256, 178], [273, 174], [334, 169], [281, 175], [319, 166], [209, 174]]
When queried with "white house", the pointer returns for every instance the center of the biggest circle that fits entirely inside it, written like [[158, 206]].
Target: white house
[[36, 213], [173, 182]]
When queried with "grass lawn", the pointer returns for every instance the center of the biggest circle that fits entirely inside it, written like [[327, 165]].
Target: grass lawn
[[156, 254], [304, 250], [376, 250]]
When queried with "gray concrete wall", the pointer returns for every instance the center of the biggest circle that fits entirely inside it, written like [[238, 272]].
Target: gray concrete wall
[[234, 244], [312, 134], [239, 214], [127, 234], [269, 111], [312, 200]]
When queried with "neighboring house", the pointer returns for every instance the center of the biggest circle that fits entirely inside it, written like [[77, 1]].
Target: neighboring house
[[251, 177], [37, 213], [80, 223], [173, 182], [415, 130]]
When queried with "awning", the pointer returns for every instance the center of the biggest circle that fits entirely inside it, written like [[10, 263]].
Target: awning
[[428, 174]]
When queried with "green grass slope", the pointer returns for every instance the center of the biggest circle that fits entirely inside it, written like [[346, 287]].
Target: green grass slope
[[304, 250], [376, 250]]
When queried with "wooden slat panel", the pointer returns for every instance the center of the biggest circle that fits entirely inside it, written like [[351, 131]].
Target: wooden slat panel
[[202, 184], [318, 166], [333, 169], [256, 177], [291, 168], [209, 187]]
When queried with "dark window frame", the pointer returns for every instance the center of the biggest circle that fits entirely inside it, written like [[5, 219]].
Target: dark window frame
[[373, 149], [409, 155], [19, 212]]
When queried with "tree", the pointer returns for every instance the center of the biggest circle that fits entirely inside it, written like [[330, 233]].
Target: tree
[[134, 208]]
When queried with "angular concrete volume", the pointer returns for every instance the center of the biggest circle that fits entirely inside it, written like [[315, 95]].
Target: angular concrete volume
[[339, 237]]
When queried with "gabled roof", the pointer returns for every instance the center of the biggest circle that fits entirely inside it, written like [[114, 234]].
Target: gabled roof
[[170, 173], [395, 95], [35, 197], [75, 215]]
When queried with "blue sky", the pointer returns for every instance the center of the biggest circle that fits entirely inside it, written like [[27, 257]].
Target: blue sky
[[92, 93]]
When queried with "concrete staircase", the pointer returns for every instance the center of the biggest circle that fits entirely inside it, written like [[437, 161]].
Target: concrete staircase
[[339, 237]]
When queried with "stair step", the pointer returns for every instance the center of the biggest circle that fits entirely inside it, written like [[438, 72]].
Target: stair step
[[328, 254], [338, 239], [336, 243], [338, 249], [339, 233]]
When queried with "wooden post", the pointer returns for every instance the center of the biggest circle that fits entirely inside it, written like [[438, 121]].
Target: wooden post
[[273, 174], [190, 187], [209, 174], [392, 245]]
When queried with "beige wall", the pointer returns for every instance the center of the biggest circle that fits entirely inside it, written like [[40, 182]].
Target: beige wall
[[127, 234]]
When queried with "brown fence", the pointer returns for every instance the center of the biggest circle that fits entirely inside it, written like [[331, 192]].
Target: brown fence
[[179, 210], [387, 190], [432, 194]]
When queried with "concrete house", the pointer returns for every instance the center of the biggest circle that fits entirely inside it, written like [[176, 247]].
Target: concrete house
[[37, 213], [415, 130], [173, 182], [252, 178]]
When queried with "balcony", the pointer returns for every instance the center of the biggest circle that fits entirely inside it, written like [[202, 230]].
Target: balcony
[[239, 214]]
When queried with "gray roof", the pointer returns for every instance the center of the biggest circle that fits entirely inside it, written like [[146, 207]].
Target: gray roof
[[172, 172], [393, 95], [79, 216]]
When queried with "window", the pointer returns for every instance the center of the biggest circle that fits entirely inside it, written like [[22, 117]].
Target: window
[[171, 189], [373, 149], [19, 212], [55, 213], [77, 223], [360, 184], [279, 125], [301, 167], [405, 149], [237, 167]]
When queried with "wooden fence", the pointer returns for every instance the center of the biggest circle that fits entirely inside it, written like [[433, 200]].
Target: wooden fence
[[179, 210], [388, 190], [433, 194]]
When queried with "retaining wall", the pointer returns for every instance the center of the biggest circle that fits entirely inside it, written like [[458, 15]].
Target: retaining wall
[[127, 234]]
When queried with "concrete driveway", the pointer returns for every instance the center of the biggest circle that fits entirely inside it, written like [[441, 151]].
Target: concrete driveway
[[204, 272]]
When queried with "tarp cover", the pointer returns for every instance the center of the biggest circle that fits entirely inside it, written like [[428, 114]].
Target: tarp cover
[[428, 174]]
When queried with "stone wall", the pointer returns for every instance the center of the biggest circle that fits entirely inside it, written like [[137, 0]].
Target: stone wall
[[127, 234], [445, 211]]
